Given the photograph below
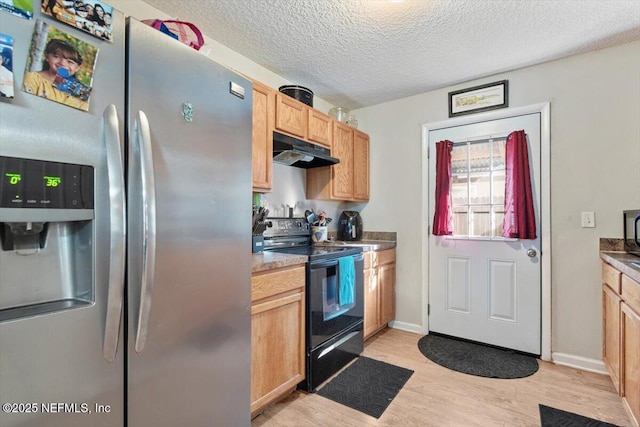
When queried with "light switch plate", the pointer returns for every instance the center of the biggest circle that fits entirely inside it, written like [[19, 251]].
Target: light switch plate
[[588, 220]]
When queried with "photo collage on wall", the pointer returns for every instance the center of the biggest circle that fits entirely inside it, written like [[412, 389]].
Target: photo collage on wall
[[59, 66]]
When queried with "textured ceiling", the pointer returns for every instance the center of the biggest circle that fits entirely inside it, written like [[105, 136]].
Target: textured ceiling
[[357, 53]]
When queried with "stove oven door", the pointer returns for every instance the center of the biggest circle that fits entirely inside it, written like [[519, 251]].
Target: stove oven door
[[328, 315]]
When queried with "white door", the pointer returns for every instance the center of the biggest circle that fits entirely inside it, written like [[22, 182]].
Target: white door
[[483, 287]]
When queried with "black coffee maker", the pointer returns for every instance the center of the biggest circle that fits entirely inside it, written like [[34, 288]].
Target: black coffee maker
[[350, 226]]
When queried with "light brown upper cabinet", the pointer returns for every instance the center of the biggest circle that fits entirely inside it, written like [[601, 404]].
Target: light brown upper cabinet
[[273, 110], [342, 173], [320, 128], [291, 115], [360, 165], [349, 179], [264, 100]]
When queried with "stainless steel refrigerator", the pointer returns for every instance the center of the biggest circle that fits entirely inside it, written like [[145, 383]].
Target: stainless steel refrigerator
[[125, 285]]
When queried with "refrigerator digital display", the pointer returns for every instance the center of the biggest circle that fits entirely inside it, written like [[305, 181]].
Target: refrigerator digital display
[[26, 183]]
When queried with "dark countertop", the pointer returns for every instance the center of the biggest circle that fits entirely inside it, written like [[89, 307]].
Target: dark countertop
[[264, 261], [366, 245], [622, 261]]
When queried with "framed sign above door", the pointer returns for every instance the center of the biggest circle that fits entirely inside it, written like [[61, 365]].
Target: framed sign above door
[[476, 99]]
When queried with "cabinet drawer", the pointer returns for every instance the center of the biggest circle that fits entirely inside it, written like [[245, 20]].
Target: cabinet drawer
[[275, 282], [631, 293], [611, 277], [386, 257]]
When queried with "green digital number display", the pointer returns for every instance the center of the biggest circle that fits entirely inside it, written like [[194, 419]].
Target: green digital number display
[[52, 181], [14, 178]]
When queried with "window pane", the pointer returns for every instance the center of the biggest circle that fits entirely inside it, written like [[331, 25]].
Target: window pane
[[480, 221], [460, 221], [498, 218], [459, 159], [459, 188], [498, 148], [497, 184], [480, 188]]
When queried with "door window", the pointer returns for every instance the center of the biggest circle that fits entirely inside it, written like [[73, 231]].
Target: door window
[[477, 189]]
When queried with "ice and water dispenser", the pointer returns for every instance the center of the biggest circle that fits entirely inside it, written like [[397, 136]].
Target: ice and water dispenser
[[46, 232]]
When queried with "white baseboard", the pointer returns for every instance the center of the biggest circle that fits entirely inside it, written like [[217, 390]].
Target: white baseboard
[[579, 362], [409, 327]]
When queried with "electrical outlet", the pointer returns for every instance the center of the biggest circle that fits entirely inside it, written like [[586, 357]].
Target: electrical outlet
[[588, 220]]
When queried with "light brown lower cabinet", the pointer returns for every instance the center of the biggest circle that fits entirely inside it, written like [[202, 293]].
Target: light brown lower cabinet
[[277, 335], [611, 334], [621, 336], [380, 290], [630, 342]]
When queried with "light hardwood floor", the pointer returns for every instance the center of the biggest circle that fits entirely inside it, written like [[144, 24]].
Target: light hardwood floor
[[437, 396]]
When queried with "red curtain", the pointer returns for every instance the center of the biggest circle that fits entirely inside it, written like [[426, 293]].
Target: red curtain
[[442, 221], [519, 218]]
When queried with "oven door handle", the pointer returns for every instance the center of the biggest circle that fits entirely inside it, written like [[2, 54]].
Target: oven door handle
[[334, 262], [323, 264], [337, 344]]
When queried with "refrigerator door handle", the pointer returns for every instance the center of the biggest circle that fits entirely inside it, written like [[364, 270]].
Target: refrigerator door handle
[[117, 212], [143, 139]]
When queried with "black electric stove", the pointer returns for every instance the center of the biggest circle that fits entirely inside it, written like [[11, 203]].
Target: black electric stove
[[334, 298], [293, 236]]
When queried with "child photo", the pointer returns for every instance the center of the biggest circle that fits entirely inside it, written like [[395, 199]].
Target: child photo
[[6, 70], [91, 16], [21, 8], [59, 67]]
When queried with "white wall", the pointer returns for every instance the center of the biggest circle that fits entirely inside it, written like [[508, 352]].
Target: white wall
[[595, 166]]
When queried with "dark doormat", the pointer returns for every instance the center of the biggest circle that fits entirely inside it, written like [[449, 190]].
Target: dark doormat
[[552, 417], [367, 385], [476, 359]]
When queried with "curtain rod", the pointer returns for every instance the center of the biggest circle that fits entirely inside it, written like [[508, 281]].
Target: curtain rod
[[471, 141]]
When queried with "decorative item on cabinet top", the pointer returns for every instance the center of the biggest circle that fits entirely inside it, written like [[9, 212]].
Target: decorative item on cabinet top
[[340, 113], [344, 115], [300, 93]]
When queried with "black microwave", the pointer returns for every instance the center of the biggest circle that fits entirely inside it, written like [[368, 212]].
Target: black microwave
[[632, 231]]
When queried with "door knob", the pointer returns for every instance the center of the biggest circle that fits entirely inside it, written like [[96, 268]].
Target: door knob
[[531, 253]]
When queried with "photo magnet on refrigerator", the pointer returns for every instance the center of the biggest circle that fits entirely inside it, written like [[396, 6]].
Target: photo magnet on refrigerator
[[6, 70], [59, 67]]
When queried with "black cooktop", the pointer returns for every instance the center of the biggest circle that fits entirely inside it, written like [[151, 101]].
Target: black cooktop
[[316, 253]]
